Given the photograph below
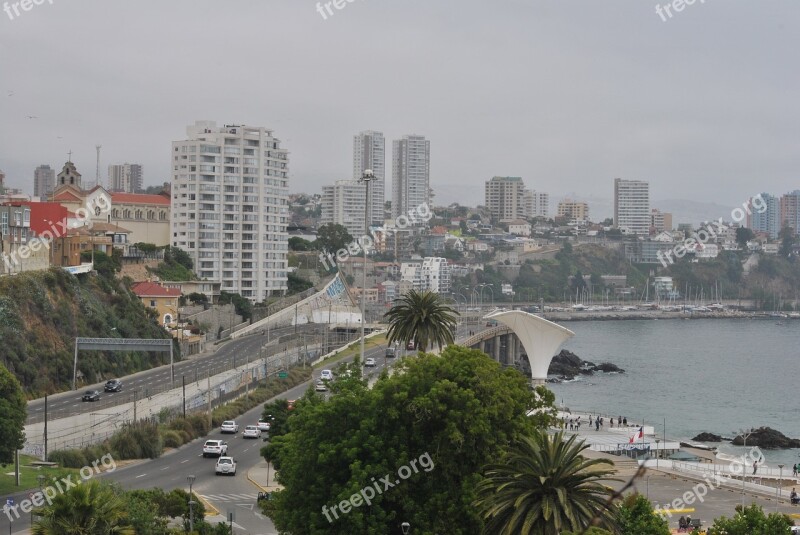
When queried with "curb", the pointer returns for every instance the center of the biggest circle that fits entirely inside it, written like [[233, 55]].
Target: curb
[[263, 489], [208, 506]]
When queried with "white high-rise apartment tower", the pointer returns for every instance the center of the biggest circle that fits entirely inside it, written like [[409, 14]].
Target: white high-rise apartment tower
[[369, 152], [44, 181], [125, 178], [230, 192], [632, 206], [343, 204], [411, 173]]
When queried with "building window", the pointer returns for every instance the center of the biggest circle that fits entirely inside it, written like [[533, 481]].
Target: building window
[[153, 303]]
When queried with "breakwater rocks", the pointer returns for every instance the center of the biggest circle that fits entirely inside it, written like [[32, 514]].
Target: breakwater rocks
[[567, 365], [763, 437]]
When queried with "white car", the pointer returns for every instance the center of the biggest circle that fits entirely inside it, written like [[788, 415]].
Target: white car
[[251, 431], [370, 362], [225, 466], [229, 426], [326, 374], [263, 425], [320, 387], [215, 448]]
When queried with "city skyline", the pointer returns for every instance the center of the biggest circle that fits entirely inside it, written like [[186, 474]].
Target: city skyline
[[669, 121]]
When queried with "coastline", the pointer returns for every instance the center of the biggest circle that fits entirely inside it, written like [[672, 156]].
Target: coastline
[[657, 315]]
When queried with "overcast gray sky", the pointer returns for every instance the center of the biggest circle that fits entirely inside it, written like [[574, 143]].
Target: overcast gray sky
[[566, 94]]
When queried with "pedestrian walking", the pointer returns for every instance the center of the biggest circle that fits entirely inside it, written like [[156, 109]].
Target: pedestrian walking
[[794, 470], [612, 423], [597, 424], [755, 467]]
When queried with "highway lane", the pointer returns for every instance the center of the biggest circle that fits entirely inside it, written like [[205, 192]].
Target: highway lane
[[157, 379]]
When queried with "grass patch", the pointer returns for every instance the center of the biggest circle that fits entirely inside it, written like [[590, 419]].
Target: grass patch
[[355, 349], [28, 475]]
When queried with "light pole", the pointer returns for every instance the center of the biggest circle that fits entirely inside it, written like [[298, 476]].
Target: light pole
[[366, 177], [778, 488], [406, 527], [190, 480]]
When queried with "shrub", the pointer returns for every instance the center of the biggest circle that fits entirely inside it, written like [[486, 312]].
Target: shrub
[[68, 458], [172, 438], [141, 440], [199, 423]]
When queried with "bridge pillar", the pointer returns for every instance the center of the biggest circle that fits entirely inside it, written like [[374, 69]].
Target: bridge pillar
[[540, 338], [496, 348]]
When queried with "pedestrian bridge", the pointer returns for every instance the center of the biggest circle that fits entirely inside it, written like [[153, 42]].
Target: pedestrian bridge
[[523, 340]]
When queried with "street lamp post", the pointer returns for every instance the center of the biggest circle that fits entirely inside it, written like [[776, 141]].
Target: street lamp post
[[366, 177], [658, 440], [406, 527], [778, 487], [190, 480]]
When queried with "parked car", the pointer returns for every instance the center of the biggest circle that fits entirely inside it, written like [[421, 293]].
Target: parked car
[[225, 466], [263, 425], [215, 448], [114, 385], [229, 426], [91, 395], [369, 362], [320, 387], [327, 375], [251, 431]]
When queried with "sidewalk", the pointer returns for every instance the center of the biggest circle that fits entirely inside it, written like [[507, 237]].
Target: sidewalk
[[263, 477]]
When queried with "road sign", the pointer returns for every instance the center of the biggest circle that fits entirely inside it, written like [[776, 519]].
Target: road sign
[[283, 375]]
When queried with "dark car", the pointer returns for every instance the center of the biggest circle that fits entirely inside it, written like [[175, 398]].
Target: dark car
[[114, 385], [91, 395]]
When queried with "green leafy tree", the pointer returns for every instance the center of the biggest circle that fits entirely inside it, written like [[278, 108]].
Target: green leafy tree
[[590, 531], [636, 516], [90, 508], [297, 243], [13, 413], [297, 284], [422, 317], [243, 306], [744, 235], [786, 236], [545, 486], [332, 237], [198, 298], [751, 520], [458, 411]]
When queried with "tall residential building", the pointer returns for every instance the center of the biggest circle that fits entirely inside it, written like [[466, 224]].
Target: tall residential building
[[537, 204], [632, 206], [790, 211], [44, 181], [411, 174], [769, 220], [432, 274], [660, 221], [369, 152], [230, 193], [505, 198], [343, 204], [576, 210], [2, 181], [125, 178]]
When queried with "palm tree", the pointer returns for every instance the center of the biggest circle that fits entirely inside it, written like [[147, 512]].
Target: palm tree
[[421, 317], [90, 508], [544, 487]]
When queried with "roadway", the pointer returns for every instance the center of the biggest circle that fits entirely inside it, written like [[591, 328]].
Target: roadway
[[226, 493], [157, 379]]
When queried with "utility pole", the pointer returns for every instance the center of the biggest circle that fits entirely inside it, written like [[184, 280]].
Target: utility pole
[[45, 428], [366, 178], [183, 381], [208, 379], [134, 406]]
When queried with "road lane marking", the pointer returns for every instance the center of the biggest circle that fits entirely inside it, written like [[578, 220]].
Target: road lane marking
[[137, 477]]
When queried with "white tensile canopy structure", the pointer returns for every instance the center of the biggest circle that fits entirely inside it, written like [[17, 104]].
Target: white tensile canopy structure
[[541, 339]]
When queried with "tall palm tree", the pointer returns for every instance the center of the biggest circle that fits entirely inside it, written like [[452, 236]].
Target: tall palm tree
[[421, 317], [544, 487], [91, 508]]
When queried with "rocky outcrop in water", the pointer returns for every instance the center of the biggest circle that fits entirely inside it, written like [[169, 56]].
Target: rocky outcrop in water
[[567, 365], [767, 438], [708, 437]]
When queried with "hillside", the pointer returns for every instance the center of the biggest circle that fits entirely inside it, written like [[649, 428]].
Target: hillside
[[42, 312]]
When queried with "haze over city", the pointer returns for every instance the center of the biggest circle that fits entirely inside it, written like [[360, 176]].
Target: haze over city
[[702, 104]]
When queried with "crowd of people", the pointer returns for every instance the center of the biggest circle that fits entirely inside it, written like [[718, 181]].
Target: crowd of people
[[574, 424]]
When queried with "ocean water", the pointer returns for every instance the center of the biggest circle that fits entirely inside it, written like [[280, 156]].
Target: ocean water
[[716, 375]]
